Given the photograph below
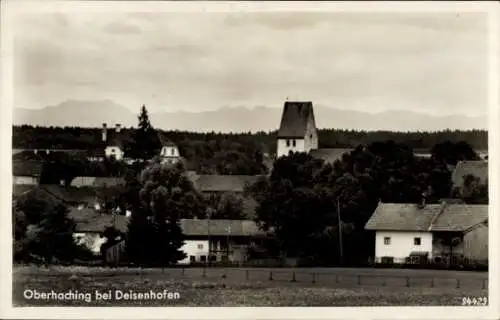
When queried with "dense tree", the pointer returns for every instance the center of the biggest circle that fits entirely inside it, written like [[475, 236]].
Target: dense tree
[[225, 206], [449, 152], [200, 148], [472, 191], [43, 229], [146, 142], [166, 196]]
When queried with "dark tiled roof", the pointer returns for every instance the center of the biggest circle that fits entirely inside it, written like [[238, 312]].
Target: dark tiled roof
[[195, 227], [19, 189], [88, 220], [432, 217], [329, 155], [71, 194], [478, 169], [164, 140], [294, 119], [222, 183], [460, 217], [402, 217], [26, 168]]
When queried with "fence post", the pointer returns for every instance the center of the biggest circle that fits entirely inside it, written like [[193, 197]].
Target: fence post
[[407, 281], [247, 276], [359, 280], [314, 278], [182, 270], [293, 277], [336, 278], [458, 283], [270, 276], [432, 282], [484, 284]]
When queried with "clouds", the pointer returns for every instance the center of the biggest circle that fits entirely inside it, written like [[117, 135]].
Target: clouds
[[193, 61]]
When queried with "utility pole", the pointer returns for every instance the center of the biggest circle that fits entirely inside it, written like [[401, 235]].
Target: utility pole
[[340, 233], [209, 212]]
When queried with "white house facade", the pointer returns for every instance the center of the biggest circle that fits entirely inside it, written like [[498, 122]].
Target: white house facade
[[196, 251], [114, 152], [400, 244]]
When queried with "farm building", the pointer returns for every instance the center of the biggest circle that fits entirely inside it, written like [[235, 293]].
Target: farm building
[[435, 230], [222, 240], [26, 172], [465, 169]]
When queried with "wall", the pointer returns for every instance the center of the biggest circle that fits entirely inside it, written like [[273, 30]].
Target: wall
[[92, 241], [190, 247], [283, 150], [440, 248], [401, 244], [311, 138], [170, 151], [25, 180], [476, 243], [114, 151]]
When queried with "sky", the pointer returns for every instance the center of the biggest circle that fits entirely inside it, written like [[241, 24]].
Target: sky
[[434, 63]]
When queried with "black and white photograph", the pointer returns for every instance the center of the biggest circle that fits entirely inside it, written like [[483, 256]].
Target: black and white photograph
[[175, 154]]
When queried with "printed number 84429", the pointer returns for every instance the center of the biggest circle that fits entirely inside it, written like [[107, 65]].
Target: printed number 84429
[[479, 301]]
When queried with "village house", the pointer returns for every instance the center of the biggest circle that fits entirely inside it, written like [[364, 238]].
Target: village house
[[169, 152], [433, 230], [26, 172], [465, 169], [221, 240]]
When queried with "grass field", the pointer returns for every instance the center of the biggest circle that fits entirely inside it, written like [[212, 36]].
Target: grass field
[[252, 286]]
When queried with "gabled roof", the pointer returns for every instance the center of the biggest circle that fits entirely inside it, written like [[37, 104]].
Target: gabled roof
[[222, 183], [432, 217], [70, 194], [477, 168], [98, 182], [199, 227], [402, 217], [26, 168], [164, 140], [329, 155], [294, 119], [460, 217], [21, 189], [87, 220]]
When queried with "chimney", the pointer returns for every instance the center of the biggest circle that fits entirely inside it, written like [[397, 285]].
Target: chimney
[[118, 127], [104, 132], [423, 201]]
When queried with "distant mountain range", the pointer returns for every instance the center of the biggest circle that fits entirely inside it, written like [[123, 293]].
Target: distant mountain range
[[240, 119]]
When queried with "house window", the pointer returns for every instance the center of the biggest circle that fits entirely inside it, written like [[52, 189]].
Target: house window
[[203, 258], [172, 151], [417, 241], [200, 246], [192, 258], [387, 240], [293, 142], [287, 143], [310, 136]]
